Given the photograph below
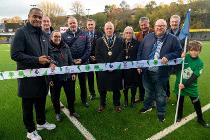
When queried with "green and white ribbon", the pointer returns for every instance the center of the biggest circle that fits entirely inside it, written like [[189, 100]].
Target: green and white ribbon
[[85, 68]]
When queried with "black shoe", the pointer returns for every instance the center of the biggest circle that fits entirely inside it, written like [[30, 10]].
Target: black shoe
[[75, 115], [101, 109], [178, 119], [144, 110], [203, 123], [118, 109], [92, 97], [86, 104], [161, 118]]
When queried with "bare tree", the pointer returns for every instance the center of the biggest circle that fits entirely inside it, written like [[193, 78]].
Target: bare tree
[[124, 5], [78, 9], [50, 9]]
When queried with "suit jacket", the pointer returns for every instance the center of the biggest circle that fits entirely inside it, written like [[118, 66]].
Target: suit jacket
[[96, 36], [28, 45]]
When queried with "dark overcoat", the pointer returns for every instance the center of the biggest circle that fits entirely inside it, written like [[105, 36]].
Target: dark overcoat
[[109, 80], [28, 45], [131, 76]]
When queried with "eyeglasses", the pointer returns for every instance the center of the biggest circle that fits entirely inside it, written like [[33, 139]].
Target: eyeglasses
[[128, 32], [160, 26]]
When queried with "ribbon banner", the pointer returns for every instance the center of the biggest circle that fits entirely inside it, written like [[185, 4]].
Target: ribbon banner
[[85, 68]]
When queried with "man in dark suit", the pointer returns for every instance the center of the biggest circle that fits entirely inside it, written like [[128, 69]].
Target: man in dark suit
[[109, 49], [93, 36], [30, 49]]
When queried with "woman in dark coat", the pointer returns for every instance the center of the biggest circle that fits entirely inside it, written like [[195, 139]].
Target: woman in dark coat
[[109, 49], [130, 76], [61, 54]]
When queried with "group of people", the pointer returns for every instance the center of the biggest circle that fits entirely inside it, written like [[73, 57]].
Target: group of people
[[37, 45]]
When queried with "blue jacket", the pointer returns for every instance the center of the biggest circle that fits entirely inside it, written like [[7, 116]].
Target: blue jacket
[[171, 49], [81, 47]]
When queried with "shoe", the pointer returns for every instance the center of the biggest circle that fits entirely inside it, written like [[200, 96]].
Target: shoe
[[92, 97], [203, 123], [47, 126], [34, 135], [178, 119], [86, 104], [144, 110], [76, 115], [118, 109], [58, 117], [100, 109], [161, 118]]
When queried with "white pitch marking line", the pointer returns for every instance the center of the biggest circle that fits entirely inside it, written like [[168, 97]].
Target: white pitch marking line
[[78, 125], [175, 126]]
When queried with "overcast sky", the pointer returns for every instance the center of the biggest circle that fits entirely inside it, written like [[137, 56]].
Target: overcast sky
[[11, 8]]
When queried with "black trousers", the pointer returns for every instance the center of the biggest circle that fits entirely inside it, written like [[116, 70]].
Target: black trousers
[[116, 98], [133, 93], [27, 108], [55, 91], [141, 89], [197, 106], [90, 76], [83, 88]]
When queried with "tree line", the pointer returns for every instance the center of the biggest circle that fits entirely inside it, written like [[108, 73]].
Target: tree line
[[122, 15]]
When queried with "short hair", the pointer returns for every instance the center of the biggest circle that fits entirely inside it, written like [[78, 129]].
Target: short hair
[[109, 23], [91, 20], [72, 17], [46, 17], [126, 28], [162, 20], [143, 19], [176, 16], [34, 9], [55, 31], [194, 45]]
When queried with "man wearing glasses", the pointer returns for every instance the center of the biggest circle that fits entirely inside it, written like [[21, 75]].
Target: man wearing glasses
[[157, 45]]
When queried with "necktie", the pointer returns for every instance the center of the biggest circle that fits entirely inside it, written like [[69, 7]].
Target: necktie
[[110, 41], [151, 55]]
